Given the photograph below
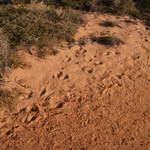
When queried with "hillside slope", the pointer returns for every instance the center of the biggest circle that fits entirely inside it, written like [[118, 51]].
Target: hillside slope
[[87, 97]]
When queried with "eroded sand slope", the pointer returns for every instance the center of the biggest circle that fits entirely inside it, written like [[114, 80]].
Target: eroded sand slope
[[87, 97]]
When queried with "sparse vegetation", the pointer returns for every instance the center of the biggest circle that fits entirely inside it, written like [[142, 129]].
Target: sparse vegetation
[[24, 26], [144, 5], [8, 57], [112, 6], [107, 40], [147, 21], [7, 99]]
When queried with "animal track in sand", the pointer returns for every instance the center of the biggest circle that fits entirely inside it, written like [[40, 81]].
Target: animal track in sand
[[136, 57], [60, 75], [43, 91], [98, 63], [67, 59], [88, 69], [117, 53], [107, 53]]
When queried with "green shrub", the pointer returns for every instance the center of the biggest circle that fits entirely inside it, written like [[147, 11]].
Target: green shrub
[[107, 40], [25, 26]]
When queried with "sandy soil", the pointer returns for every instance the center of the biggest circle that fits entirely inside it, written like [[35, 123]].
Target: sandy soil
[[87, 97]]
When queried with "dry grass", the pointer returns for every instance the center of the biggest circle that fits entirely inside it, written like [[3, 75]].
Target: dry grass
[[8, 57], [33, 25], [27, 26], [7, 99]]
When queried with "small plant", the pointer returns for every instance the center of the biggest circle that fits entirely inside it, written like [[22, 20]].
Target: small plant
[[107, 40], [108, 24]]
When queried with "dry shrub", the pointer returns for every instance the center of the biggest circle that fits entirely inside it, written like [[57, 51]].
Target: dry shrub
[[109, 24], [27, 27], [107, 40], [7, 99]]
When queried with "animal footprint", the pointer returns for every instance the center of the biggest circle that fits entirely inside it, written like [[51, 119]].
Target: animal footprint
[[88, 69], [98, 63], [117, 53], [64, 77], [68, 59], [57, 75], [43, 92], [61, 76], [136, 57], [107, 53]]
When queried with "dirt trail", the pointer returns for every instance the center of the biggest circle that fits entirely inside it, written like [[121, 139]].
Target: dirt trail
[[87, 97]]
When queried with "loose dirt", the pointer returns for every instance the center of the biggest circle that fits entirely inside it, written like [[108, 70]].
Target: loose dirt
[[87, 97]]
